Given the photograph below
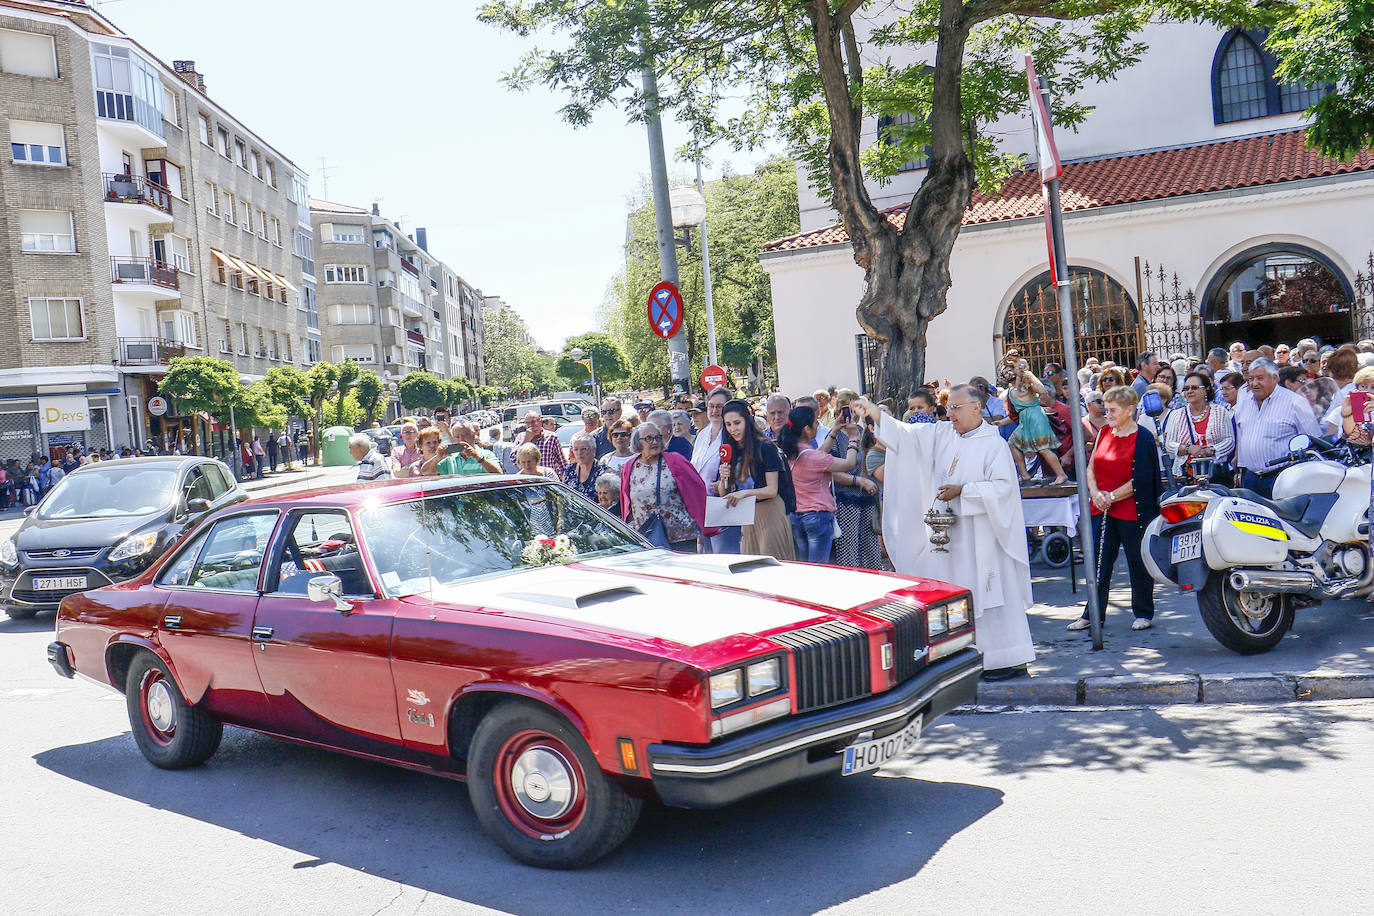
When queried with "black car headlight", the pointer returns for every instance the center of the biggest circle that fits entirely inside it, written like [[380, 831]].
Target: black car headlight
[[135, 545]]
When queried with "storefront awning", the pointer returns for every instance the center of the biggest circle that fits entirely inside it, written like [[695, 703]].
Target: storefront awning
[[287, 283], [259, 273], [236, 264], [220, 256]]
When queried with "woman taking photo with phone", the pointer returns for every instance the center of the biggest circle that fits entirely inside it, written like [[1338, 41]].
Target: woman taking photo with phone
[[813, 525], [856, 501], [750, 466]]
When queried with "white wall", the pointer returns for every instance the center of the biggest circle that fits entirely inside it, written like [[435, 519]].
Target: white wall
[[1163, 101], [815, 292]]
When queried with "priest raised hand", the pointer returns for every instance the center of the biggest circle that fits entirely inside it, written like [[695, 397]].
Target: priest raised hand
[[963, 465]]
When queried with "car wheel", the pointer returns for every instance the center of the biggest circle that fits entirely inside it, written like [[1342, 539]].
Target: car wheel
[[20, 613], [171, 733], [538, 790]]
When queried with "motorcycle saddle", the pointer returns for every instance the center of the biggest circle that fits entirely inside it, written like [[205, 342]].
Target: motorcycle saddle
[[1305, 512]]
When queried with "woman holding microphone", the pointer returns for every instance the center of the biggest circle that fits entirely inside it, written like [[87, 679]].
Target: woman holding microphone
[[751, 466]]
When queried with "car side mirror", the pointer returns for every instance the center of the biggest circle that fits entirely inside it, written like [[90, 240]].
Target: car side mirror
[[328, 588], [197, 506], [28, 510], [1300, 443]]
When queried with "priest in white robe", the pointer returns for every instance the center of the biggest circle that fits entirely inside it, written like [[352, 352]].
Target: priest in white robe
[[963, 465]]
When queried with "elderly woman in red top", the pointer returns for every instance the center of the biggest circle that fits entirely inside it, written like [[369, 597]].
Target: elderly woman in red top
[[1123, 478], [661, 484]]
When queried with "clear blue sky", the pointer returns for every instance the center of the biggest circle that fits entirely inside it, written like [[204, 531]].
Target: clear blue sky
[[404, 101]]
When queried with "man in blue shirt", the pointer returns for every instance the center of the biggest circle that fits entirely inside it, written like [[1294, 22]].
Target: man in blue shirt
[[1147, 365]]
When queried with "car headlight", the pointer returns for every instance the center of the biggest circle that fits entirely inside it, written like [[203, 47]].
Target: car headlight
[[764, 677], [133, 546], [8, 554], [957, 613], [727, 687], [936, 621]]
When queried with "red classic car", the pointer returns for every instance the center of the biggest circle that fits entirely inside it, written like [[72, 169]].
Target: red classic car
[[508, 632]]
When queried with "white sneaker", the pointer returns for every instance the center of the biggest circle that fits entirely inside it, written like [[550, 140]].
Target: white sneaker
[[1079, 624], [1141, 623]]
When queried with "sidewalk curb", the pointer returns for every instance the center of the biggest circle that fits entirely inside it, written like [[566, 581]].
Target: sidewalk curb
[[1171, 689]]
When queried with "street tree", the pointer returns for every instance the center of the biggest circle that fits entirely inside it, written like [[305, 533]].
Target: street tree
[[342, 409], [487, 394], [1330, 43], [202, 384], [322, 378], [289, 388], [257, 407], [508, 351], [421, 391], [604, 354], [368, 390], [810, 72], [458, 390]]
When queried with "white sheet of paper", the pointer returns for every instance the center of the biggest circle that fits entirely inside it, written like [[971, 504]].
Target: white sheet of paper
[[720, 515]]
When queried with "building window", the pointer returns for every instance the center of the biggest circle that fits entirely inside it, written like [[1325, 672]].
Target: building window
[[890, 134], [360, 353], [312, 350], [1243, 84], [241, 153], [255, 164], [167, 174], [344, 273], [271, 173], [169, 106], [226, 343], [46, 231], [243, 340], [37, 143], [127, 88], [205, 129], [222, 141], [28, 54], [276, 231], [246, 215], [56, 319], [347, 234], [352, 313], [262, 224], [211, 198]]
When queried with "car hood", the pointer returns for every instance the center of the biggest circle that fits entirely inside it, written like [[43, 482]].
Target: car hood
[[655, 594], [49, 534]]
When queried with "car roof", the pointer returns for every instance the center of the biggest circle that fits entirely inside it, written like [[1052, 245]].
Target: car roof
[[355, 494], [169, 461]]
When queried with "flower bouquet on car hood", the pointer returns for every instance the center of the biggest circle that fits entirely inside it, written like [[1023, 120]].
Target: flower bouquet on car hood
[[549, 551]]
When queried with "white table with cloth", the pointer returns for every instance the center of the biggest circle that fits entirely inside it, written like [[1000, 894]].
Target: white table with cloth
[[1055, 511]]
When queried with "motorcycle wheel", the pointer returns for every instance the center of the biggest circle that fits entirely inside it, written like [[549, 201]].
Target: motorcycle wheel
[[1245, 622]]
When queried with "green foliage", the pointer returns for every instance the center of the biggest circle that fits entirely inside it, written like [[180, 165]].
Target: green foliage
[[343, 410], [521, 386], [258, 409], [487, 394], [605, 356], [1331, 42], [459, 391], [202, 383], [508, 352], [289, 389], [367, 390], [421, 391], [742, 213], [320, 378]]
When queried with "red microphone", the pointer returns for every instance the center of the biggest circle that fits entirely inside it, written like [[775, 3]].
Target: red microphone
[[727, 452]]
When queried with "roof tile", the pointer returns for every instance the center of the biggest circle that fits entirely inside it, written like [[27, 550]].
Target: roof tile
[[1218, 166]]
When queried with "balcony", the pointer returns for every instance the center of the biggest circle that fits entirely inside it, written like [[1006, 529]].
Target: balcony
[[416, 338], [148, 351], [146, 272], [409, 267], [130, 117], [130, 189]]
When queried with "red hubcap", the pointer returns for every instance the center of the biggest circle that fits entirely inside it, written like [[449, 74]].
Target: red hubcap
[[540, 785], [157, 705]]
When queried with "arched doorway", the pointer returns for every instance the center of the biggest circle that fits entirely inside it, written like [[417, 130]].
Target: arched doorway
[[1104, 315], [1277, 294]]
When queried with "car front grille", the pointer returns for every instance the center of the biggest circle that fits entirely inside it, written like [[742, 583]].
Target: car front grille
[[25, 593], [908, 635], [832, 664], [63, 553]]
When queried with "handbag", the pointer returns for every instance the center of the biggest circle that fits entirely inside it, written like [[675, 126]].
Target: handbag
[[653, 529]]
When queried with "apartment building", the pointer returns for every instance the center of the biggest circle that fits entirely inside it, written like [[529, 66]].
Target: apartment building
[[141, 222], [385, 301]]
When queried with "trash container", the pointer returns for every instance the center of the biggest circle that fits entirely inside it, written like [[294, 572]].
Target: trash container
[[334, 447]]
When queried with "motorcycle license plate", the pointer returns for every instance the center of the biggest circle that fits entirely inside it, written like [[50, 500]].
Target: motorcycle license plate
[[1186, 546]]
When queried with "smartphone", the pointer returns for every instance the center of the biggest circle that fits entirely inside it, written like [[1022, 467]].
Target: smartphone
[[845, 414], [453, 448]]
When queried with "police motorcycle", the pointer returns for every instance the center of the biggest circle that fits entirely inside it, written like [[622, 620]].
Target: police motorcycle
[[1252, 561]]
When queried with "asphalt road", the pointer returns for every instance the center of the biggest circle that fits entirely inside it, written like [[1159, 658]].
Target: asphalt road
[[1198, 810]]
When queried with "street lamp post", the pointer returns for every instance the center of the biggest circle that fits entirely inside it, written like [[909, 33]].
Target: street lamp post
[[577, 353], [689, 209]]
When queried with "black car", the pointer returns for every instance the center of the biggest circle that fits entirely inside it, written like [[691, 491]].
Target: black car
[[104, 523]]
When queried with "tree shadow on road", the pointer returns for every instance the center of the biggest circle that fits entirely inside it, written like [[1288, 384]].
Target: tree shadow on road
[[1277, 738], [794, 850]]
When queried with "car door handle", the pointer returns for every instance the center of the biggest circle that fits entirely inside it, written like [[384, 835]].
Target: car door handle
[[262, 634], [172, 622]]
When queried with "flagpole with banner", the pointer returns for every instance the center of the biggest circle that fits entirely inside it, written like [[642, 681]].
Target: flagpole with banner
[[1050, 171]]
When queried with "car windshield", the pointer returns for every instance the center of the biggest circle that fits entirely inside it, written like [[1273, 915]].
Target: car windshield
[[448, 538], [110, 491]]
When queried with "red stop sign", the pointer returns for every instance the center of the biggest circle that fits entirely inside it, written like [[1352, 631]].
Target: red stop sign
[[712, 377]]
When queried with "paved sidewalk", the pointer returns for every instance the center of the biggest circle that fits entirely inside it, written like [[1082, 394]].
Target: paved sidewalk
[[1329, 654], [302, 477]]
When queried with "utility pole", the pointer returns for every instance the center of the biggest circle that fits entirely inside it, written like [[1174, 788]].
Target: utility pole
[[706, 279], [663, 218]]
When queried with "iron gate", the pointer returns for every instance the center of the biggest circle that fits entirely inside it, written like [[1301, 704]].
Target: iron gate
[[1363, 306], [1169, 316], [1105, 320]]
